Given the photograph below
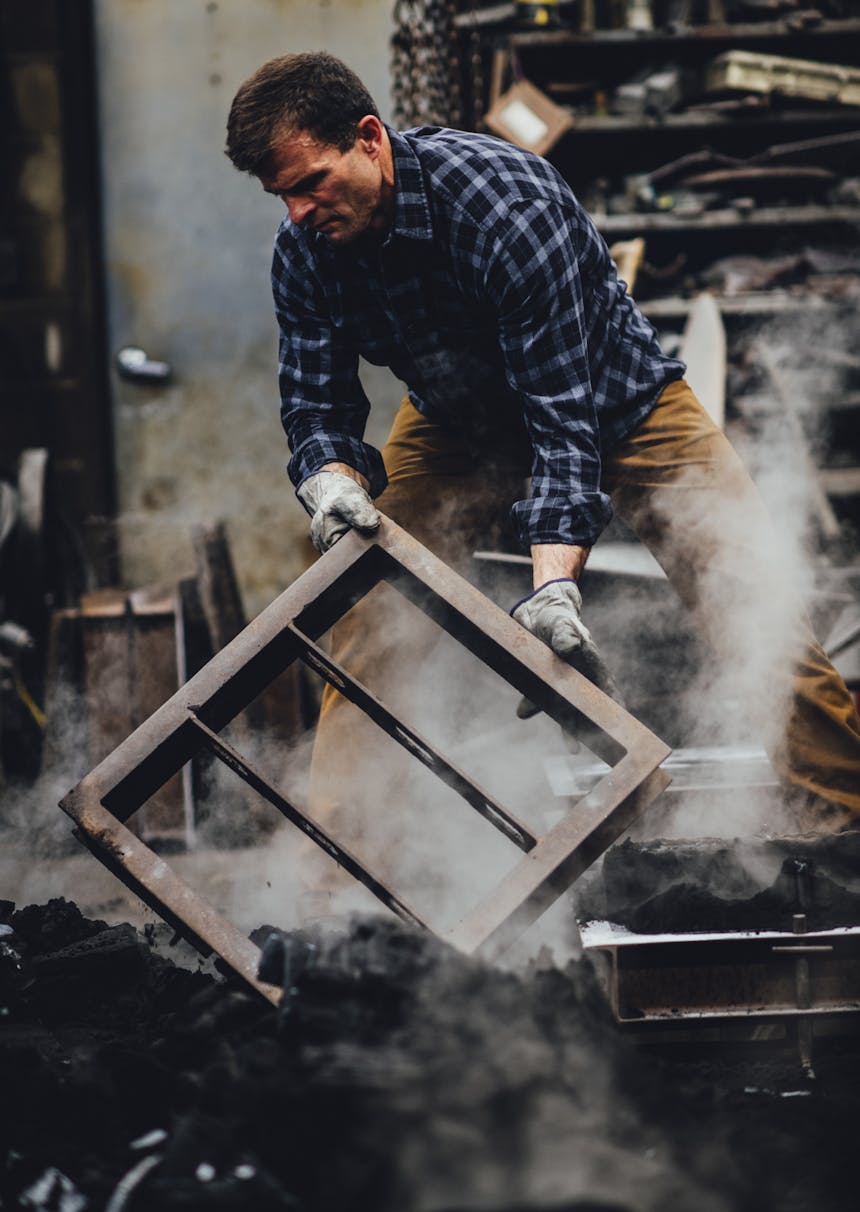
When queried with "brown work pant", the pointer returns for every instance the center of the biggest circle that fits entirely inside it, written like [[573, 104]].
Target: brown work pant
[[680, 486]]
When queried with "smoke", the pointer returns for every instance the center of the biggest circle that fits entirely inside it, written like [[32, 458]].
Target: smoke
[[34, 829], [726, 684], [749, 603], [474, 1088], [403, 821], [420, 836]]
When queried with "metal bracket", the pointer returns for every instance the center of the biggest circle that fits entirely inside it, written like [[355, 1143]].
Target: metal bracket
[[288, 630]]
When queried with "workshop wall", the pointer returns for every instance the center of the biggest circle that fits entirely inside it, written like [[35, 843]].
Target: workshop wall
[[187, 248]]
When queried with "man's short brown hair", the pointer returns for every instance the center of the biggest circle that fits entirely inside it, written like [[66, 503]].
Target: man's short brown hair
[[312, 92]]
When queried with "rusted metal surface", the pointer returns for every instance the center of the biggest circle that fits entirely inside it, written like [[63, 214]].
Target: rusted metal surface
[[662, 979], [151, 878], [288, 630], [217, 584], [770, 179], [131, 656]]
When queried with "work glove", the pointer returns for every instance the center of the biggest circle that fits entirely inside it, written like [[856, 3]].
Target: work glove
[[552, 614], [336, 503]]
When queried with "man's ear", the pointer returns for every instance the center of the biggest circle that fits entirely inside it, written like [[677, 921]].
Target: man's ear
[[370, 133]]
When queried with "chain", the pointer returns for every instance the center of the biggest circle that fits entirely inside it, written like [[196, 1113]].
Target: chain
[[476, 63], [425, 64]]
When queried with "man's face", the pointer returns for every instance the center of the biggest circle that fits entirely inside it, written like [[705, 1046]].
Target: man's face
[[336, 193]]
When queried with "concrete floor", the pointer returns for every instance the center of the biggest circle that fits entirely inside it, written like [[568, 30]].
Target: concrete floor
[[250, 886]]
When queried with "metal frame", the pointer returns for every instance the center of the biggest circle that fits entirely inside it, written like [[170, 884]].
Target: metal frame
[[288, 630]]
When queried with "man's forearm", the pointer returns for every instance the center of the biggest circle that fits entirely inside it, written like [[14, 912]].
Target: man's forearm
[[557, 561]]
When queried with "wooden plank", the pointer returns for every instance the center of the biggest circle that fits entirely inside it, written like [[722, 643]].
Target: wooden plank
[[703, 348]]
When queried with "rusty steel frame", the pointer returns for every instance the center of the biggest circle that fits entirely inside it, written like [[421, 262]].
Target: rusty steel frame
[[288, 630]]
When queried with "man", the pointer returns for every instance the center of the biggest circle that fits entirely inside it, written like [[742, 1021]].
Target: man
[[468, 267]]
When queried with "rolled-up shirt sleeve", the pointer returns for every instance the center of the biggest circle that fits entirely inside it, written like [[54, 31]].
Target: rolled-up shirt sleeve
[[533, 280], [324, 408]]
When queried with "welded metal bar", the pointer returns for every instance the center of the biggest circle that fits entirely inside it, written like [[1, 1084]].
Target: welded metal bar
[[414, 743], [802, 971], [241, 670], [512, 652], [149, 876], [246, 771], [559, 858], [839, 645]]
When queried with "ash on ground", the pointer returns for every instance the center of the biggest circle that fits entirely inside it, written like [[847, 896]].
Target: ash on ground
[[398, 1076]]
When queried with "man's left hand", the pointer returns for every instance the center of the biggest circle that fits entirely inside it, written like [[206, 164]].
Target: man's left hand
[[552, 613]]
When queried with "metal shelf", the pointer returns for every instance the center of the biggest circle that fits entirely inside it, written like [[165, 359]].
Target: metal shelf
[[611, 124], [711, 220], [750, 32]]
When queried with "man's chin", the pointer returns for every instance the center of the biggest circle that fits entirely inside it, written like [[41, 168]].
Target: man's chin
[[340, 235], [345, 231]]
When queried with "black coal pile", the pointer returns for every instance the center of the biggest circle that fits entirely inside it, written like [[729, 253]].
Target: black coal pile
[[736, 884], [398, 1076]]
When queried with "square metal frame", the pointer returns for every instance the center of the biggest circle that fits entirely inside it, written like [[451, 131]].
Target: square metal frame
[[288, 630]]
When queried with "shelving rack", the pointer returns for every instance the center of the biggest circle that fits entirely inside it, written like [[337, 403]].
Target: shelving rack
[[604, 149], [609, 146]]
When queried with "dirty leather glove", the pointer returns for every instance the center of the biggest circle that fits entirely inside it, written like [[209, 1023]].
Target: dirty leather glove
[[336, 504], [552, 614]]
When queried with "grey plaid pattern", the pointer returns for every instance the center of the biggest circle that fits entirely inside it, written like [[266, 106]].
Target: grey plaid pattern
[[495, 300]]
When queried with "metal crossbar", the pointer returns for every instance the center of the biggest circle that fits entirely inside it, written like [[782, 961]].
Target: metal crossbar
[[415, 744], [288, 630]]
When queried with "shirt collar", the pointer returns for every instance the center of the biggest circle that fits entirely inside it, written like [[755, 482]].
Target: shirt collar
[[411, 208]]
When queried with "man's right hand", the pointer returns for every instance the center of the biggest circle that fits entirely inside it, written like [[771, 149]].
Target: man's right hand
[[337, 501]]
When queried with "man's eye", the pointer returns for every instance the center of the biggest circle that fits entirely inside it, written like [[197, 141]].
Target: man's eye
[[301, 188]]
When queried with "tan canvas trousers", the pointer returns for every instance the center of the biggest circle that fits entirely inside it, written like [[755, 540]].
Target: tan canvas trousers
[[680, 486]]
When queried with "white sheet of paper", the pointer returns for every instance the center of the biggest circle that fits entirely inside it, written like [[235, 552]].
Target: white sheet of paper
[[524, 123]]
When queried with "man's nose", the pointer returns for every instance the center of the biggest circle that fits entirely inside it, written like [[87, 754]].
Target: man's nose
[[299, 209]]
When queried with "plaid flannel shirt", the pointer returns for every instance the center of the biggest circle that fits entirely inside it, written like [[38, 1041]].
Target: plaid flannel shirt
[[493, 295]]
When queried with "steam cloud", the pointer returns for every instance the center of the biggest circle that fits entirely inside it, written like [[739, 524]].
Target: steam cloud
[[432, 846]]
